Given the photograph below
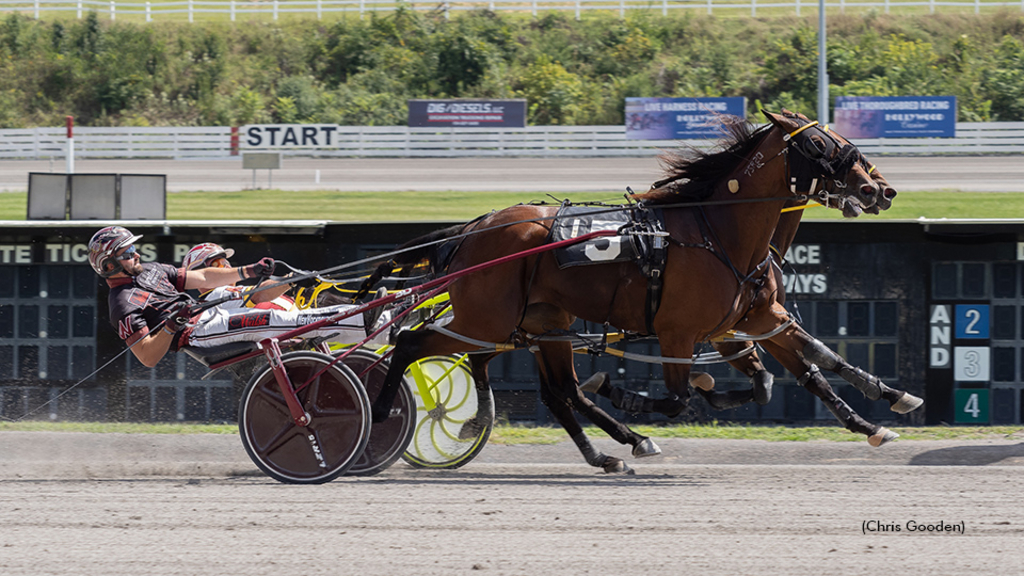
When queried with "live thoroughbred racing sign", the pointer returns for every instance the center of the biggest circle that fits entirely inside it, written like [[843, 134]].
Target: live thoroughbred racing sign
[[896, 116]]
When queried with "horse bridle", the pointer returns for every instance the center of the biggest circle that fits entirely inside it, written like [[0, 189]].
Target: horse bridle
[[832, 162]]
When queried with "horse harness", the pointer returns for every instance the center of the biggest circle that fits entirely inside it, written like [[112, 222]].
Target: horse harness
[[643, 240]]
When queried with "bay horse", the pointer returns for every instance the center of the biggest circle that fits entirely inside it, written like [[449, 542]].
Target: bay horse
[[794, 348], [720, 210]]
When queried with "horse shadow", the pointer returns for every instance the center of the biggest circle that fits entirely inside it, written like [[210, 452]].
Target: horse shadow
[[968, 455]]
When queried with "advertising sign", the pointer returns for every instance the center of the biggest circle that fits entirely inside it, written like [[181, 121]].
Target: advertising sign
[[467, 113], [679, 118], [896, 116]]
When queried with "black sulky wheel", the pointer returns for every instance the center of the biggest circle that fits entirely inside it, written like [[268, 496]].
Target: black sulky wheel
[[336, 435], [388, 439]]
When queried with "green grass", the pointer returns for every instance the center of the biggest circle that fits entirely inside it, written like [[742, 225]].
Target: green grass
[[459, 206], [509, 434]]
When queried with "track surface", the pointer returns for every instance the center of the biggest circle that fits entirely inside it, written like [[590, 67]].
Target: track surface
[[84, 504], [612, 175]]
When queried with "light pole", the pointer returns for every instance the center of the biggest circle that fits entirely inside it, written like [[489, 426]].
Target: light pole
[[822, 67]]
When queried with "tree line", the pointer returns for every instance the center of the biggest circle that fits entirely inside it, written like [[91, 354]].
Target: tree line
[[356, 71]]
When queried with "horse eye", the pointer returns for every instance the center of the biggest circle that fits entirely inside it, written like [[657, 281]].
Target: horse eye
[[813, 148]]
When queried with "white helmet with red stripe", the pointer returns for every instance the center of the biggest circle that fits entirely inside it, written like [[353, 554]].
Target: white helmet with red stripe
[[201, 254], [103, 247]]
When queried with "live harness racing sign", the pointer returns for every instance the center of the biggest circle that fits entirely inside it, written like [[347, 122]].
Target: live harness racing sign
[[896, 116], [679, 118]]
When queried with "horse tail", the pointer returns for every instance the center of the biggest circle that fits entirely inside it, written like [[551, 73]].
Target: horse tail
[[430, 247]]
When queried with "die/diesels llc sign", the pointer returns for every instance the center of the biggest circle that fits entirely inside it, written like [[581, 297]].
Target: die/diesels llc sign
[[679, 118], [509, 113], [896, 116]]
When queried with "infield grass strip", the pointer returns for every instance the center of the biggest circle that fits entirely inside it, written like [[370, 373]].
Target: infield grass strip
[[517, 434], [463, 206]]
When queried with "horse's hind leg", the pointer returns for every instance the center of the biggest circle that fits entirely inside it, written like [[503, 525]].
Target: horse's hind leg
[[484, 416], [411, 345], [560, 394], [870, 385]]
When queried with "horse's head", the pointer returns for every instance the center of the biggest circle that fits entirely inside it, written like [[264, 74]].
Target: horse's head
[[888, 192], [822, 162]]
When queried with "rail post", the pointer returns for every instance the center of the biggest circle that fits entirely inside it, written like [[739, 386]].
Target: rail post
[[69, 123], [113, 11], [232, 10], [190, 14], [149, 16]]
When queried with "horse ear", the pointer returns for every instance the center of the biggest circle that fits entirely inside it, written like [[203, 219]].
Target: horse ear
[[772, 117]]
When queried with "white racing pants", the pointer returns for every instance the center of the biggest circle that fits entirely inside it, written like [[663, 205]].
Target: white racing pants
[[224, 325]]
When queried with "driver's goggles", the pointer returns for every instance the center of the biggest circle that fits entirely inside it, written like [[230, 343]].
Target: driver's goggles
[[128, 254], [218, 263]]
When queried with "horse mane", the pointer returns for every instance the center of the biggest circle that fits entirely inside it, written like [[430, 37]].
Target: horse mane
[[691, 173]]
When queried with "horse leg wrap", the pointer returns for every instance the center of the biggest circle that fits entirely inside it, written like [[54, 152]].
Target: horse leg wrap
[[816, 383], [817, 353], [868, 384], [761, 386], [727, 400], [592, 455], [630, 401], [597, 459]]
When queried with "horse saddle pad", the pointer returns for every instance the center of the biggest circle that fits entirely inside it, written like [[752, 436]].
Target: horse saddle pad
[[575, 221]]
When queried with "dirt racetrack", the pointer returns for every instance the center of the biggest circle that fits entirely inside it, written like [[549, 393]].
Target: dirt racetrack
[[99, 504]]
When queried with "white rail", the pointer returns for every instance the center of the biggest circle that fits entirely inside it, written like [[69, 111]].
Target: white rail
[[400, 141], [273, 9]]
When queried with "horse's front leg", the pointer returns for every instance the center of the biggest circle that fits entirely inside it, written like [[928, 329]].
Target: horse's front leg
[[761, 380], [812, 379], [815, 352]]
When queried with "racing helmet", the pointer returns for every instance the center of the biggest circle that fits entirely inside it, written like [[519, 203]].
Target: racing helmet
[[201, 254], [103, 247]]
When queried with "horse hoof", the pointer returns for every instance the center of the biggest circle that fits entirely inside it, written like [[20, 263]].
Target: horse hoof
[[907, 403], [617, 466], [702, 380], [646, 448], [883, 436], [762, 387], [594, 383]]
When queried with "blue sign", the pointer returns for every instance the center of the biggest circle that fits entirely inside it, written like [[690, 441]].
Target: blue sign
[[509, 113], [972, 321], [679, 118], [895, 116]]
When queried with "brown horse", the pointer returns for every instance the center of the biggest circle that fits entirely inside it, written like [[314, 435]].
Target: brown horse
[[794, 348], [720, 210]]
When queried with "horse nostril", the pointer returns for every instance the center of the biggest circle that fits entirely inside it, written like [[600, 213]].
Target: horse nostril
[[889, 193], [868, 190]]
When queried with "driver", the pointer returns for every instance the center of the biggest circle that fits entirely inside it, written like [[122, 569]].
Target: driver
[[152, 313]]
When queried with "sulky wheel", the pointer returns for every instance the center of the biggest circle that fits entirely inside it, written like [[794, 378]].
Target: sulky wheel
[[389, 438], [333, 440], [448, 432]]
